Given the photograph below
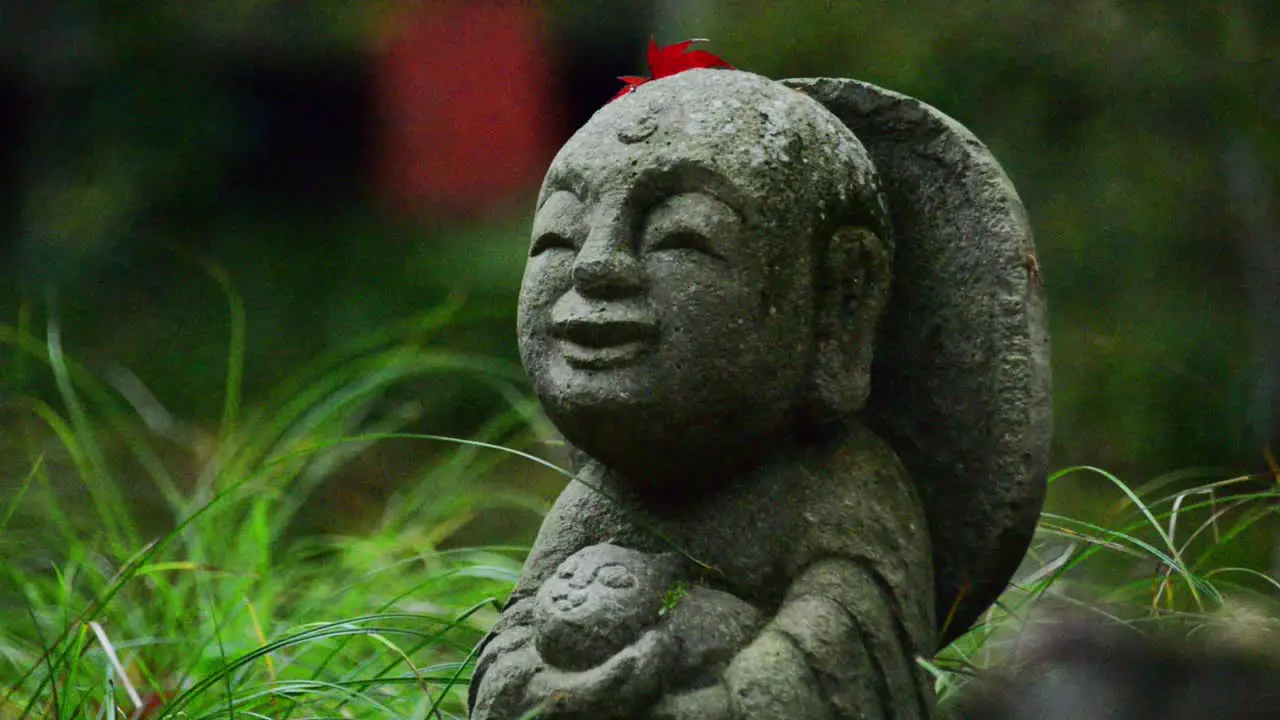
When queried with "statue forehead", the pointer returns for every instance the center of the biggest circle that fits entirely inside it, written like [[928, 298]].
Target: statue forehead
[[606, 553], [745, 128]]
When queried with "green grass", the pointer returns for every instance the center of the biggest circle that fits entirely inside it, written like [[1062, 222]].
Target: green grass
[[209, 603], [150, 569], [1185, 554]]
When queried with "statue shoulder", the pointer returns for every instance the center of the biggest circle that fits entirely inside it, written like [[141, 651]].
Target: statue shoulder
[[863, 473], [861, 504], [582, 515]]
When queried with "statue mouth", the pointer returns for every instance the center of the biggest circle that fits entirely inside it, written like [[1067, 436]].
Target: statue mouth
[[600, 343], [568, 602]]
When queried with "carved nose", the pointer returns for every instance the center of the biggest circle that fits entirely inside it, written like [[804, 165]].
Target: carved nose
[[607, 269]]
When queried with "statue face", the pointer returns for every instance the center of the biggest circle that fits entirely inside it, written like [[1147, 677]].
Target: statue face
[[582, 592], [666, 312]]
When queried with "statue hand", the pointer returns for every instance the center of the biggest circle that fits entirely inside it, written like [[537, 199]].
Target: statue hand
[[709, 703], [623, 686], [500, 685]]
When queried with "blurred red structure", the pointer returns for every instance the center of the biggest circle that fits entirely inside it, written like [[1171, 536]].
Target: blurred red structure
[[465, 96]]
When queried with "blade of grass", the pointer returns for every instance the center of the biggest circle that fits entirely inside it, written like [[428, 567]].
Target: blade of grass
[[120, 529], [109, 650]]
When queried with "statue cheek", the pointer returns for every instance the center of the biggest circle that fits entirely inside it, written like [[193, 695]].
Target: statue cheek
[[545, 281], [701, 286]]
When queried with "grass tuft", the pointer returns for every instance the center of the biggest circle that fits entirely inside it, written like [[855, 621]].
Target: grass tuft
[[1161, 559], [149, 569]]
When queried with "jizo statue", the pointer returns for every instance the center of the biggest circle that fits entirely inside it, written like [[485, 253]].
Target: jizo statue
[[795, 332]]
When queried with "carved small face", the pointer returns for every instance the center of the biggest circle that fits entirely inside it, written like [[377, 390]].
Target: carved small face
[[597, 602], [666, 311], [581, 591]]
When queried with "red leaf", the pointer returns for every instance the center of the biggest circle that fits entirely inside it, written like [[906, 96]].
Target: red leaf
[[662, 60], [669, 60], [701, 59], [632, 82]]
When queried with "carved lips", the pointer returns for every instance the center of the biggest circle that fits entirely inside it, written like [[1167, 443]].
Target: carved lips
[[601, 341], [569, 601]]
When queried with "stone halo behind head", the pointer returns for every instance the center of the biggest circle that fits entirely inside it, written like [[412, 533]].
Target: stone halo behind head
[[961, 379]]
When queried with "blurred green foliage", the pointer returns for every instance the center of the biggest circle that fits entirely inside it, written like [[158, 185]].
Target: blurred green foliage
[[1115, 120]]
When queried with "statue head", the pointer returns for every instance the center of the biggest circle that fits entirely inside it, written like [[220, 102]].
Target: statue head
[[710, 258]]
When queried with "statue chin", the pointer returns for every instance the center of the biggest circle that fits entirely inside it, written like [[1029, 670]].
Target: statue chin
[[648, 452]]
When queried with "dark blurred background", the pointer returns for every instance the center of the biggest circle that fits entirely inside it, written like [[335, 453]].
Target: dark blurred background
[[351, 163]]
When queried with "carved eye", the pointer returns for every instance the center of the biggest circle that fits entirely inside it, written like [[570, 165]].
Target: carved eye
[[616, 577], [685, 240], [550, 241], [568, 569]]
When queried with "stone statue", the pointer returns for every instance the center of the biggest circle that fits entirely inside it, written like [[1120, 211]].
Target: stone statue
[[794, 332]]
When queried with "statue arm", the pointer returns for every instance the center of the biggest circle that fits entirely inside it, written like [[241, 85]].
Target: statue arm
[[505, 664], [837, 648]]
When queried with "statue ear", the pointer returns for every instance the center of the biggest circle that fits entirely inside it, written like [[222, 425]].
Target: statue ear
[[853, 291]]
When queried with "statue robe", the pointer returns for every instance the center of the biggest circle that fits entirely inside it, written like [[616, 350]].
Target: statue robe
[[829, 541]]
